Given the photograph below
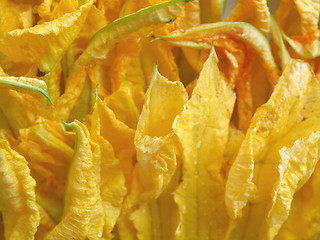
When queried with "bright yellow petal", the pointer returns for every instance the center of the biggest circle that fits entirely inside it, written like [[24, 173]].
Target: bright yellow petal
[[125, 103], [45, 44], [15, 15], [48, 149], [288, 118], [159, 218], [203, 129], [21, 110], [83, 215], [302, 222], [155, 148], [119, 135], [84, 104], [18, 200], [63, 7], [66, 102], [121, 138], [240, 187], [296, 166], [112, 177]]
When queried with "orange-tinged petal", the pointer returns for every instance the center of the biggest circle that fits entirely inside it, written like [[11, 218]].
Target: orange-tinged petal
[[256, 11], [104, 40], [161, 53], [211, 10], [309, 14], [45, 226]]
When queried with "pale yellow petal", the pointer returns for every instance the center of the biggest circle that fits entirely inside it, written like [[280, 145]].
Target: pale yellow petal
[[203, 129]]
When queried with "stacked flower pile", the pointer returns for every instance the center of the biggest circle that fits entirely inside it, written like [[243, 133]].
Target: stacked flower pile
[[159, 120]]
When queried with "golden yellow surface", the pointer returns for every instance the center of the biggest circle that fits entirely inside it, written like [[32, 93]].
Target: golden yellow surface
[[159, 120]]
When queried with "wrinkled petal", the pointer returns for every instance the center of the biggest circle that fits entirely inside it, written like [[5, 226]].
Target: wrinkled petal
[[155, 150], [17, 196], [275, 125], [296, 166], [44, 44], [112, 186], [303, 220], [203, 129], [48, 149], [83, 215], [104, 39]]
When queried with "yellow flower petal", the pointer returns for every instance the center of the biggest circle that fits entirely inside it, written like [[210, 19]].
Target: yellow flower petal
[[203, 129], [154, 143], [44, 44], [103, 40], [256, 11], [83, 215], [112, 177], [48, 149], [18, 200], [288, 119], [303, 218], [296, 166]]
